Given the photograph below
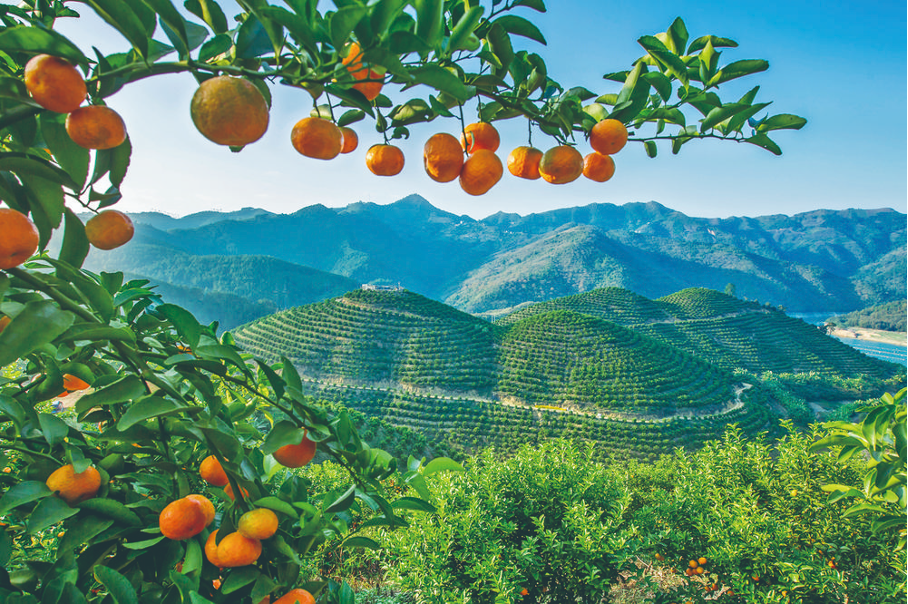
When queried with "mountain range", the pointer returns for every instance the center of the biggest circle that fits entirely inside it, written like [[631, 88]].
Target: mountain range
[[823, 260]]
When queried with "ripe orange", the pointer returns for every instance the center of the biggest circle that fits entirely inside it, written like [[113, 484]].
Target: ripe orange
[[182, 519], [96, 127], [74, 488], [480, 172], [699, 570], [523, 162], [212, 472], [701, 561], [317, 138], [4, 321], [73, 384], [296, 456], [207, 507], [598, 167], [54, 83], [354, 63], [442, 157], [479, 135], [351, 140], [608, 136], [524, 592], [211, 549], [385, 160], [20, 238], [228, 489], [296, 596], [109, 229], [560, 165], [238, 550], [258, 524], [229, 111]]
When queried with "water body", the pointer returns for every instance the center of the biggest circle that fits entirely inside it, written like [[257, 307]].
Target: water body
[[879, 350]]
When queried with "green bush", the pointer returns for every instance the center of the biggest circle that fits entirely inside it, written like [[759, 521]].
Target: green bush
[[545, 520]]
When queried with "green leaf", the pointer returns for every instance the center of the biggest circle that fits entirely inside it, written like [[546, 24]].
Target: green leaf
[[53, 428], [430, 24], [119, 161], [738, 69], [283, 433], [343, 502], [783, 121], [351, 117], [37, 324], [278, 505], [186, 324], [716, 41], [75, 245], [252, 39], [300, 30], [210, 12], [660, 82], [442, 80], [465, 26], [46, 204], [71, 157], [119, 587], [441, 464], [239, 578], [412, 503], [109, 508], [342, 22], [650, 147], [121, 16], [137, 545], [678, 36], [126, 389], [520, 27], [665, 57], [24, 492], [48, 512], [147, 408], [290, 375], [170, 16], [218, 351], [720, 114], [98, 298], [21, 164], [6, 547], [761, 140], [361, 542], [34, 40], [537, 5]]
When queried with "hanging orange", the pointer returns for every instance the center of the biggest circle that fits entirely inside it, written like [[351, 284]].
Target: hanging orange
[[442, 157], [480, 172], [480, 135], [560, 165], [385, 160], [598, 167], [523, 162]]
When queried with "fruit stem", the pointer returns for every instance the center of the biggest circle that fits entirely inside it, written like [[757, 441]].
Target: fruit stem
[[30, 452]]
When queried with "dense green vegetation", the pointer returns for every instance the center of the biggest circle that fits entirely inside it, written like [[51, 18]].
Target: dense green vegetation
[[567, 368], [808, 262], [892, 316]]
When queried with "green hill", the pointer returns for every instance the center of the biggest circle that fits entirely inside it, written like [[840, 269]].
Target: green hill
[[892, 316], [642, 375]]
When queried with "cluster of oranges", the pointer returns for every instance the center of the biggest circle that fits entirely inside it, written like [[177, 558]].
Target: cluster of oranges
[[695, 567], [56, 85]]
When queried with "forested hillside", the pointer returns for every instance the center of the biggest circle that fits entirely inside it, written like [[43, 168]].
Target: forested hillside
[[610, 365], [822, 260], [892, 316]]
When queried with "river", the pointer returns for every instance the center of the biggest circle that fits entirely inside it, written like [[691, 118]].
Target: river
[[879, 350]]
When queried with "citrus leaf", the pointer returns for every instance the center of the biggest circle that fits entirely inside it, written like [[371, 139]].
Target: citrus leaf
[[442, 80], [278, 505], [412, 503], [738, 69], [239, 578], [119, 587], [126, 389], [520, 27], [71, 157], [24, 492], [783, 121], [37, 324], [283, 433], [147, 408], [121, 16], [441, 464], [108, 508], [34, 40], [48, 512]]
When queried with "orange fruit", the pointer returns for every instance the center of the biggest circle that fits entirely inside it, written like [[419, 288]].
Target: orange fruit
[[211, 549], [701, 561], [660, 557], [385, 160], [479, 135], [480, 172], [4, 321], [212, 472], [442, 157], [238, 550], [74, 488], [207, 507], [523, 162], [598, 167], [20, 238], [258, 524], [351, 140], [182, 519], [692, 564], [73, 384], [108, 230], [229, 111], [608, 136], [354, 64], [317, 138], [296, 596], [296, 456], [55, 83], [96, 127], [560, 165], [699, 570], [228, 489], [524, 592]]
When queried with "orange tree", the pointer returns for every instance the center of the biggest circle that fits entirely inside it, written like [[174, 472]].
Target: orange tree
[[88, 489]]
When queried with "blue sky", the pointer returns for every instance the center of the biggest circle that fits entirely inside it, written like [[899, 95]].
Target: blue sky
[[842, 65]]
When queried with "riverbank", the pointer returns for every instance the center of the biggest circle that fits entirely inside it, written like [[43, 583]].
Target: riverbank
[[897, 338]]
